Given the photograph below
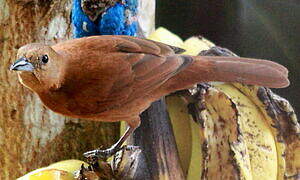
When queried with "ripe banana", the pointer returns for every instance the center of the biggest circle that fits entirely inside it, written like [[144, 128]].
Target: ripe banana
[[63, 170]]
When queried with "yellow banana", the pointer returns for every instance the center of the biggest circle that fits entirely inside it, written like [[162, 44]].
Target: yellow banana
[[165, 36], [280, 115], [181, 123], [194, 45], [48, 174], [257, 134], [227, 156], [63, 170]]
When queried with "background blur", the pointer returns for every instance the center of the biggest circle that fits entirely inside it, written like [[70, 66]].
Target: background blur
[[268, 29]]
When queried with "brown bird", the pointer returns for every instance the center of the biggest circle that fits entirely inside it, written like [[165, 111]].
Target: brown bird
[[114, 78]]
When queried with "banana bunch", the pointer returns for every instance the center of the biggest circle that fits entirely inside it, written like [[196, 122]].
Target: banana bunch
[[237, 131]]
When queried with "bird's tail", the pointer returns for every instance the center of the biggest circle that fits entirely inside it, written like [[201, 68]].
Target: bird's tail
[[229, 69]]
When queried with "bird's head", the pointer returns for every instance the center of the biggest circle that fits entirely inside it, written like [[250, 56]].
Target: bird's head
[[37, 66]]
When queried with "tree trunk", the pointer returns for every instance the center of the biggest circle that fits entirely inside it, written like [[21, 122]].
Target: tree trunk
[[32, 136]]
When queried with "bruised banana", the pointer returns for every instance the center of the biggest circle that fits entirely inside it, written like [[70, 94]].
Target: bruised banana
[[242, 132]]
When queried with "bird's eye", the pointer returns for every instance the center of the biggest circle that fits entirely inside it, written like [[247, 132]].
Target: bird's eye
[[45, 59]]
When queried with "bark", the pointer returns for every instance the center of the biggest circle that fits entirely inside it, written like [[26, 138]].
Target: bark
[[31, 136]]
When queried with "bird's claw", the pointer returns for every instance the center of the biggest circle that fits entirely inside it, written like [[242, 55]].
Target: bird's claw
[[97, 154], [130, 148]]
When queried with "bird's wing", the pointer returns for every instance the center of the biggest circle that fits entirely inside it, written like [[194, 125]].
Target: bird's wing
[[151, 64]]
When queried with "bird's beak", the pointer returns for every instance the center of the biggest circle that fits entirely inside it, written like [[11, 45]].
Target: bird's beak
[[22, 64]]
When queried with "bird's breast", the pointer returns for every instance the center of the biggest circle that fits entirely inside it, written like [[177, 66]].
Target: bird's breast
[[73, 106], [93, 109]]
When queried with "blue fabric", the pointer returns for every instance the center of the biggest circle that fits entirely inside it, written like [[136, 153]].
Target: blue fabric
[[113, 21], [82, 25], [117, 20]]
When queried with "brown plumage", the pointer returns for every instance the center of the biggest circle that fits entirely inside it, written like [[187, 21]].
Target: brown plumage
[[114, 78]]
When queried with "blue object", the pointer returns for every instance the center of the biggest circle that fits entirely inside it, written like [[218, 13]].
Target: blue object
[[82, 25], [119, 19], [132, 6]]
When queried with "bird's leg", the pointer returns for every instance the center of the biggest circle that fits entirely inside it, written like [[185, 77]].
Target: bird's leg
[[104, 154]]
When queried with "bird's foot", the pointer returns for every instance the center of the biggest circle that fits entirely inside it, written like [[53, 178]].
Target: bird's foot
[[97, 154]]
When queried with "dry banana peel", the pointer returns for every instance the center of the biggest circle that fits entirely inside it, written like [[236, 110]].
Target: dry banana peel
[[223, 141]]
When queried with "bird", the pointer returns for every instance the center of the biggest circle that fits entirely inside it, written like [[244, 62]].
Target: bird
[[114, 78]]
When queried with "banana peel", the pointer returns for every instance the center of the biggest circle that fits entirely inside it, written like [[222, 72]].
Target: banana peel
[[257, 135], [226, 153], [285, 127]]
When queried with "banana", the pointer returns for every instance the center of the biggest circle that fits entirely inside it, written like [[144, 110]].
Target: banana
[[257, 134], [163, 35], [70, 166], [194, 45], [281, 117], [227, 156], [63, 170], [48, 174], [180, 120]]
